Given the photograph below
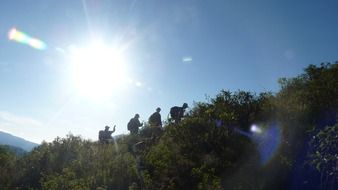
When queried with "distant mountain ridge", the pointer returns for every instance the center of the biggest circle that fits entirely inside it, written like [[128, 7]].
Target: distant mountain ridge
[[8, 139]]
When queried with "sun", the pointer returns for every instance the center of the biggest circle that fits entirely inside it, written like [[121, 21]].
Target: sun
[[97, 71]]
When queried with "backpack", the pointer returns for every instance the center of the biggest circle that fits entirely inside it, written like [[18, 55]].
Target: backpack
[[152, 118], [101, 135], [129, 125], [174, 112]]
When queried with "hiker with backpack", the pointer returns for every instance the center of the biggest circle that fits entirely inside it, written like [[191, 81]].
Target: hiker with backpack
[[105, 135], [177, 113], [155, 119], [134, 124], [155, 123]]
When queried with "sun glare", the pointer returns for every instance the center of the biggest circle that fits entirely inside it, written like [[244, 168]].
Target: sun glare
[[97, 71]]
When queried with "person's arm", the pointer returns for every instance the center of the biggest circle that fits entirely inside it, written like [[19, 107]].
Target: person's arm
[[139, 123], [181, 112], [114, 129], [159, 118]]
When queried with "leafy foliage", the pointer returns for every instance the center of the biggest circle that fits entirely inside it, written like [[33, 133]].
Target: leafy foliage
[[7, 161], [324, 155]]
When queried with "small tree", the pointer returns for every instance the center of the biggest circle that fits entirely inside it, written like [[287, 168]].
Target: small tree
[[324, 156]]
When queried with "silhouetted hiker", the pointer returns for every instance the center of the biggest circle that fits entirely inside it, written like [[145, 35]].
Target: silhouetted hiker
[[105, 135], [155, 124], [134, 124], [176, 112], [155, 119]]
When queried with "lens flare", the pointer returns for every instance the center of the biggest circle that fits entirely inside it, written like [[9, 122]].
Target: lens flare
[[255, 129], [267, 141], [23, 38], [187, 59]]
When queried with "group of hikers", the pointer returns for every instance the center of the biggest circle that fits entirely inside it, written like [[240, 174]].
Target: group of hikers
[[176, 114], [137, 145]]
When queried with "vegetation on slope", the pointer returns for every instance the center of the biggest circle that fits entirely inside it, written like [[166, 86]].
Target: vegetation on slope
[[212, 148]]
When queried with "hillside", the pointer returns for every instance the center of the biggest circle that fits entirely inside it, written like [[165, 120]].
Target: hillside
[[13, 149], [235, 140], [8, 139]]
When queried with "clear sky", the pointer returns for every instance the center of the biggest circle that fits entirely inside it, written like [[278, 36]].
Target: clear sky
[[171, 52]]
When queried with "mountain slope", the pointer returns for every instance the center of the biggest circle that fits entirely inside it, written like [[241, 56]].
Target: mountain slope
[[8, 139], [16, 150]]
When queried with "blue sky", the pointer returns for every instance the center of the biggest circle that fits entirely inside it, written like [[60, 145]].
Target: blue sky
[[226, 44]]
